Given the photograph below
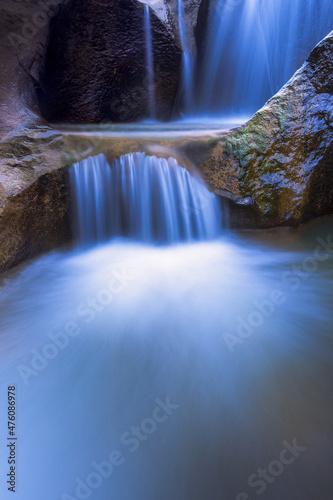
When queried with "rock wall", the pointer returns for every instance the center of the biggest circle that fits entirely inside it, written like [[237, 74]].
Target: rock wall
[[96, 70], [82, 61], [33, 195], [167, 12], [23, 38]]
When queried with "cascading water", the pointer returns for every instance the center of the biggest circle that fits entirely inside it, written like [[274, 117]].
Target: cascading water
[[252, 48], [144, 197], [197, 371], [187, 63], [150, 64]]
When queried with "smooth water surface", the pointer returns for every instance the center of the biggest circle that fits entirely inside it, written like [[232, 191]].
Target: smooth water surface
[[97, 340]]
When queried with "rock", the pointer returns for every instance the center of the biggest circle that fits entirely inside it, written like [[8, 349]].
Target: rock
[[167, 12], [23, 45], [82, 61], [33, 200], [95, 67], [283, 157]]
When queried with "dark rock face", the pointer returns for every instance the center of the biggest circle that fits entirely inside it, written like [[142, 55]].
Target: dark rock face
[[82, 61], [95, 66], [282, 159], [23, 45]]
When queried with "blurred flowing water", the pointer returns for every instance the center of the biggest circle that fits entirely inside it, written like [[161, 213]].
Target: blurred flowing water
[[187, 77], [189, 354], [150, 63], [252, 48], [190, 365], [143, 197]]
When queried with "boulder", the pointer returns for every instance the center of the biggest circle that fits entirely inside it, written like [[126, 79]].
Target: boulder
[[33, 195], [82, 61], [95, 64], [281, 162]]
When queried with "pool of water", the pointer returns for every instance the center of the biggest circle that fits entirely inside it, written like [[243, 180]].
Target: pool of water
[[173, 372], [196, 127]]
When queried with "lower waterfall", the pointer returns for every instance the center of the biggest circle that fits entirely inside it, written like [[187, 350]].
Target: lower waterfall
[[142, 197]]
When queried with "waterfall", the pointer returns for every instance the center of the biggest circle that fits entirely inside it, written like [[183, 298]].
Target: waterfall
[[187, 63], [150, 64], [143, 197], [252, 48]]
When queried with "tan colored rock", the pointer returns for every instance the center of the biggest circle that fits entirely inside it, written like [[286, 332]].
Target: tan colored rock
[[33, 204]]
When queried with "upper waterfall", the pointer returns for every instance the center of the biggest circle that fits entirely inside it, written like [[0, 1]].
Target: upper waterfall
[[143, 197], [251, 48], [150, 64], [187, 77]]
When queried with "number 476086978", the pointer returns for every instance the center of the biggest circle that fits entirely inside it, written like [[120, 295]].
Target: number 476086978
[[11, 410]]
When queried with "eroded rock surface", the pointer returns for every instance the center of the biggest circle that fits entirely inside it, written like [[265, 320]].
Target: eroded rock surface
[[33, 195]]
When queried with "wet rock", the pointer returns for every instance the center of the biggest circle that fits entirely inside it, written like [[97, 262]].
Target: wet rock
[[283, 157], [167, 11], [33, 195], [23, 39], [95, 65], [82, 61]]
